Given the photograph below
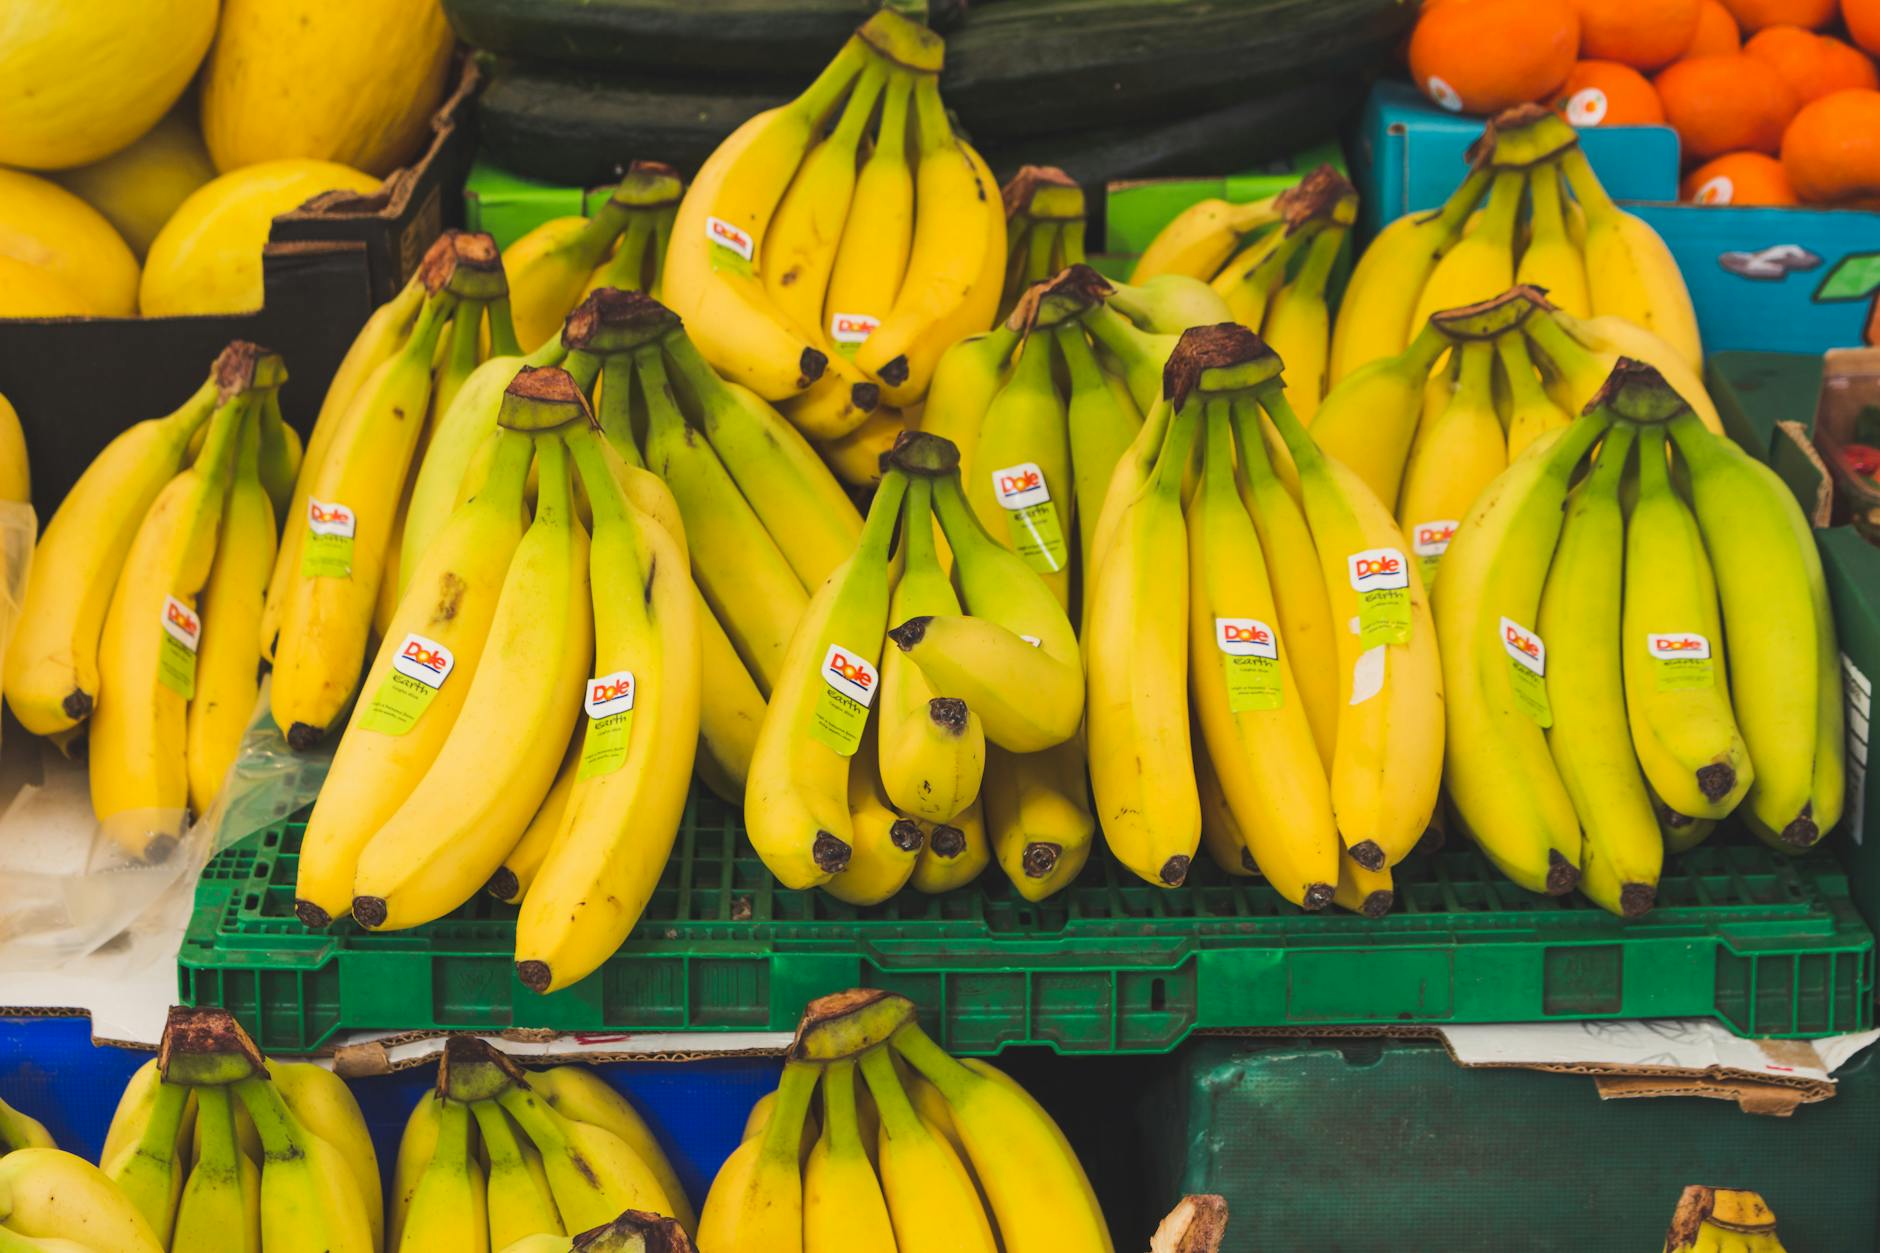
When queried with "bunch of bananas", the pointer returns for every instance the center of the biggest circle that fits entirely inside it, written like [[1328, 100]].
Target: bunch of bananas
[[553, 267], [1319, 760], [338, 571], [1594, 718], [1588, 255], [217, 1149], [1722, 1220], [957, 745], [140, 616], [495, 1159], [52, 1201], [825, 258], [1269, 263], [916, 1150], [1518, 367], [502, 625]]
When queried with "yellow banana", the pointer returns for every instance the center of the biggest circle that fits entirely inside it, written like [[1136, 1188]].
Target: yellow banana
[[519, 868], [1362, 891], [1629, 271], [1299, 326], [1584, 351], [149, 1167], [957, 851], [55, 1195], [886, 843], [796, 799], [417, 684], [1463, 452], [1481, 265], [1531, 411], [519, 1204], [309, 1199], [449, 1210], [1020, 481], [967, 377], [1552, 260], [592, 1172], [731, 710], [1103, 423], [872, 257], [548, 267], [1200, 239], [931, 1197], [843, 1209], [756, 1201], [415, 1147], [220, 1209], [856, 457], [325, 1106], [1221, 837], [1369, 420], [1038, 819], [581, 1094]]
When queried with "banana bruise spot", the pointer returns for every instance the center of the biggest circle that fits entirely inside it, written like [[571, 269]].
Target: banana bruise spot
[[1636, 899], [646, 588], [1562, 875], [536, 976], [312, 916], [1175, 870], [1378, 903], [948, 713], [1317, 896], [906, 835], [1369, 854], [830, 853], [449, 597], [948, 842], [1040, 859], [1716, 780]]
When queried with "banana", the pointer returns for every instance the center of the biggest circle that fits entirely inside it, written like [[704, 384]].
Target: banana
[[1298, 324], [1136, 659], [871, 258], [1292, 566], [965, 380], [415, 1146], [1362, 891], [650, 192], [956, 852], [385, 331], [1552, 260], [511, 882], [811, 518], [731, 710], [1781, 634], [756, 1201], [932, 747], [54, 1195], [1501, 777], [1221, 837], [147, 656], [1387, 763], [1103, 423], [1481, 265], [548, 267], [325, 1106], [710, 276], [1038, 818], [1036, 1187], [1462, 453], [931, 1198], [1258, 739], [1677, 697], [1199, 240], [309, 1197], [1375, 316], [744, 576], [856, 457], [886, 846], [455, 827], [22, 1131], [1629, 270], [220, 1209], [642, 732], [843, 1209], [1168, 304], [1020, 481], [51, 674], [1584, 351], [1531, 411], [229, 658], [1622, 853], [1137, 355], [149, 1168], [281, 454], [1247, 282], [450, 1209], [955, 266], [592, 1172], [417, 685], [1370, 418], [759, 1118], [579, 1093], [352, 498], [796, 798]]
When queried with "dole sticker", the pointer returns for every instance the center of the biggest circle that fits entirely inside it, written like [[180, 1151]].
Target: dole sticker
[[1381, 577], [1031, 516], [419, 669], [330, 518], [1246, 637], [733, 239], [1524, 646], [1250, 659], [327, 551], [1678, 646], [852, 328], [1376, 568], [1681, 660], [1527, 662], [176, 656], [1431, 539], [849, 684], [608, 701], [1020, 485]]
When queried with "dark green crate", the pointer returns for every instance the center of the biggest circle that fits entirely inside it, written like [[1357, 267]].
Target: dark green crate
[[1768, 946], [1358, 1144]]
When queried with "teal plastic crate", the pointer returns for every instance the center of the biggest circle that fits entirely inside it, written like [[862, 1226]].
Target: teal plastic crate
[[1766, 945]]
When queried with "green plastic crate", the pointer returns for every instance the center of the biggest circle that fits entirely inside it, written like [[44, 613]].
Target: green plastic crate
[[1768, 946]]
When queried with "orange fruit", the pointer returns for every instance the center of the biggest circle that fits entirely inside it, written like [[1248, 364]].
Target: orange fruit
[[1716, 32], [1739, 178], [1863, 23], [1726, 104], [1644, 34], [1831, 150], [1753, 15], [1605, 93], [1482, 56], [1812, 65]]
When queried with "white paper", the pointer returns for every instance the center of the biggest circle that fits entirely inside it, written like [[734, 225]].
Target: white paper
[[1699, 1045]]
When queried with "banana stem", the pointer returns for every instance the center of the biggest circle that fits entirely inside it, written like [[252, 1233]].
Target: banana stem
[[584, 368], [1609, 465], [1454, 214], [883, 512], [1291, 430], [503, 330], [466, 334], [783, 1137], [917, 547], [1524, 386], [626, 269], [821, 95], [606, 500], [932, 134], [861, 106], [554, 495], [1585, 184], [1178, 445], [280, 1132], [1546, 333], [1071, 244], [1419, 357], [616, 407], [891, 1099], [938, 1066], [1478, 363], [1080, 361], [840, 1121], [1317, 270], [1040, 240]]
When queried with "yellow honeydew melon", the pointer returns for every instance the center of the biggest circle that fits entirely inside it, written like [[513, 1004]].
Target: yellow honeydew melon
[[27, 291], [44, 225], [139, 187]]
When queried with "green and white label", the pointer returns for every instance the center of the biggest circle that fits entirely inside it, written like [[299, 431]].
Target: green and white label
[[327, 552], [1527, 669], [1250, 656], [609, 705], [1681, 660], [419, 669], [1381, 578], [733, 248], [1031, 516], [849, 682], [1429, 541], [849, 331], [182, 636]]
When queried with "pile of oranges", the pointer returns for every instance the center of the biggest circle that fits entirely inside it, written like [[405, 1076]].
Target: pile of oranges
[[1774, 101]]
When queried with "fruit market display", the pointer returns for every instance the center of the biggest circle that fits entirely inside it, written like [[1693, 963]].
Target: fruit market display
[[1771, 100], [1544, 220], [1596, 718], [907, 1148], [293, 101]]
